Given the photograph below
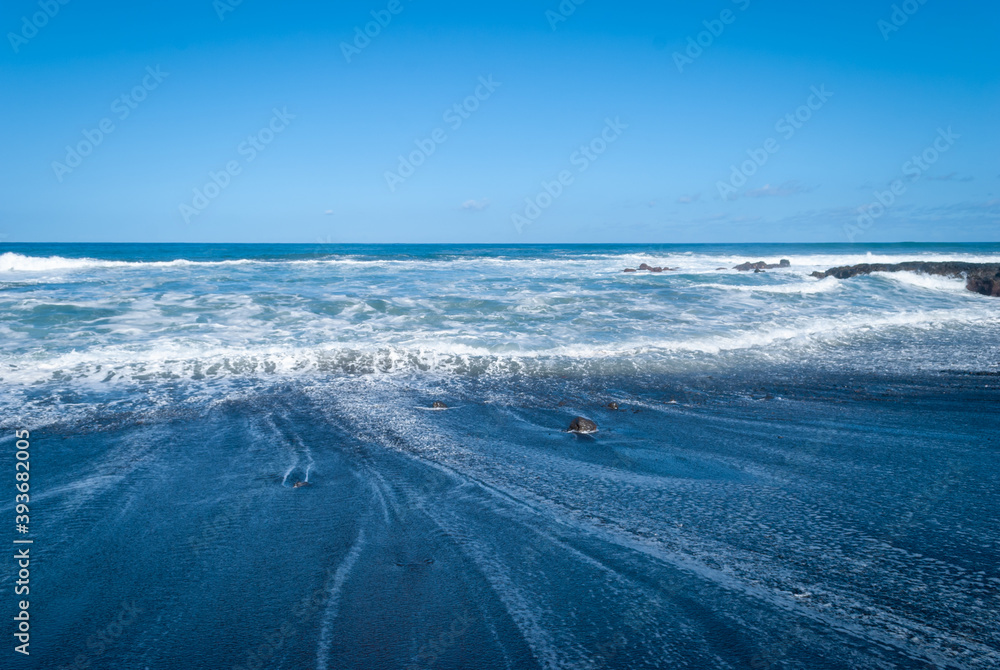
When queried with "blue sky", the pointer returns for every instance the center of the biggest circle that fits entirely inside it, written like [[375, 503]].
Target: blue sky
[[634, 131]]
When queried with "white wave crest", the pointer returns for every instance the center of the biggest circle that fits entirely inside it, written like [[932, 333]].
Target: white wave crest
[[820, 286], [166, 360], [925, 281], [14, 262], [11, 262]]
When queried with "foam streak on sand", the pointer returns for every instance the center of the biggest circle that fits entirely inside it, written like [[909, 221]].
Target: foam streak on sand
[[334, 590]]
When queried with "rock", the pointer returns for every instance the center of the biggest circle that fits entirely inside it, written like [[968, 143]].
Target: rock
[[612, 405], [717, 269], [649, 268], [983, 278], [581, 425], [299, 485], [762, 265], [986, 285], [758, 270], [439, 405]]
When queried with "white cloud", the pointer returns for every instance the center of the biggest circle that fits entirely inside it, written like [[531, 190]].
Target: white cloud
[[476, 205], [780, 191]]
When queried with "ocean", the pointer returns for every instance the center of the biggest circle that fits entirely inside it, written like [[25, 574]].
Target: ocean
[[235, 461]]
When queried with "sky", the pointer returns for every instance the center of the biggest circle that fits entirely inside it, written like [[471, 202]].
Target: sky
[[516, 122]]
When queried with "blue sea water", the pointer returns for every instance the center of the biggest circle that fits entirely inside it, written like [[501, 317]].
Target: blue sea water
[[800, 473]]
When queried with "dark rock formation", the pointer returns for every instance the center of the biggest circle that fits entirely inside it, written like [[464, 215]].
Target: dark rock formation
[[439, 405], [984, 284], [981, 278], [299, 485], [763, 265], [612, 405], [581, 425], [650, 268]]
